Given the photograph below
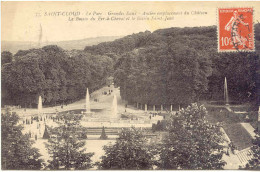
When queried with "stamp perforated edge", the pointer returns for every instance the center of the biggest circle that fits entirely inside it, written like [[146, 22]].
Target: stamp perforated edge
[[253, 30]]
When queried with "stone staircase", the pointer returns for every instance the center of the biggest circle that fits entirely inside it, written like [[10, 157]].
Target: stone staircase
[[245, 155], [113, 131], [98, 131]]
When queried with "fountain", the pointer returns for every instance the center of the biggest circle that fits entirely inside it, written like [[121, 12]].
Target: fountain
[[226, 92], [258, 127], [40, 105], [114, 107], [87, 102]]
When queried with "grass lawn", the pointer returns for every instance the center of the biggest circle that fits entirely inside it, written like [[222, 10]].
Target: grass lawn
[[238, 135], [231, 124], [220, 114]]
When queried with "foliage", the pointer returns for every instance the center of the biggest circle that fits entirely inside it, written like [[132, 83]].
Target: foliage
[[241, 72], [65, 147], [192, 143], [149, 68], [6, 57], [17, 151], [254, 163], [160, 126], [58, 76], [130, 152], [152, 75], [183, 62], [46, 134], [120, 46]]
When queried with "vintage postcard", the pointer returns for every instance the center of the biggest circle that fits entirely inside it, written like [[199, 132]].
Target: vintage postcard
[[130, 85]]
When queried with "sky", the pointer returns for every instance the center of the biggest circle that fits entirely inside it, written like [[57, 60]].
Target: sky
[[20, 21]]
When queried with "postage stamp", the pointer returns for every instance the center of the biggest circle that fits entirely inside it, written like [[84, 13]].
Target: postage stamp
[[235, 29]]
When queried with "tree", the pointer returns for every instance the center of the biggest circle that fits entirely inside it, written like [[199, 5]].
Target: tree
[[6, 57], [59, 76], [242, 85], [254, 163], [65, 146], [151, 74], [192, 142], [130, 152], [103, 134], [46, 133], [17, 152]]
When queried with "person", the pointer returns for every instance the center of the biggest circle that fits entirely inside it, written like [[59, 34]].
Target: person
[[232, 25], [228, 152]]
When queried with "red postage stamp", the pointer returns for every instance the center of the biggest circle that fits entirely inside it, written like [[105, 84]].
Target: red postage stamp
[[235, 29]]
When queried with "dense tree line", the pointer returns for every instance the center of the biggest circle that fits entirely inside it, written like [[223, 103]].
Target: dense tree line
[[165, 74], [168, 66], [242, 76], [6, 57], [58, 76], [181, 65], [122, 45]]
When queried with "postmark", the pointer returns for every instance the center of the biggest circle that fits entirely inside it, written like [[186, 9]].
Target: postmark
[[235, 29]]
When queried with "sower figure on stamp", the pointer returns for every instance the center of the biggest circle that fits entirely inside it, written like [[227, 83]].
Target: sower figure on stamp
[[233, 25]]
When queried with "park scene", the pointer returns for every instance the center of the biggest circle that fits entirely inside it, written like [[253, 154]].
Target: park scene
[[161, 100]]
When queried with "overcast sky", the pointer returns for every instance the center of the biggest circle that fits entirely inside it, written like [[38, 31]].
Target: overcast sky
[[20, 23]]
